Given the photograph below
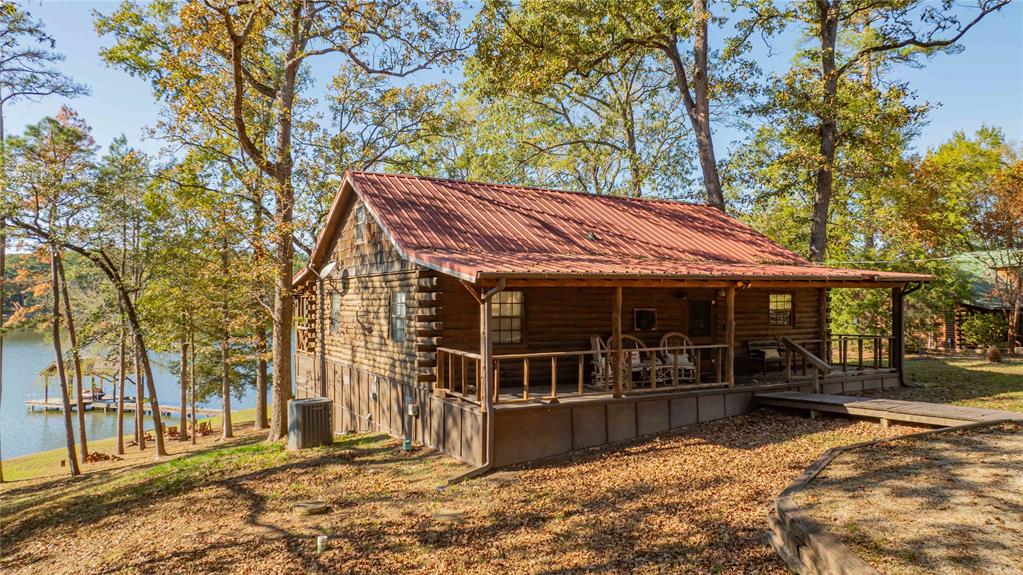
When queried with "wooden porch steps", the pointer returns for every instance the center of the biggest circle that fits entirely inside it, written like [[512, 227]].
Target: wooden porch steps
[[884, 409]]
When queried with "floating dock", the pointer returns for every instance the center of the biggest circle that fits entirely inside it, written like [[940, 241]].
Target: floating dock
[[111, 405]]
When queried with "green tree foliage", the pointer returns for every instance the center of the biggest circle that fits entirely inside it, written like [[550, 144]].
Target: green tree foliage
[[850, 46], [238, 70], [984, 329], [617, 133], [534, 48]]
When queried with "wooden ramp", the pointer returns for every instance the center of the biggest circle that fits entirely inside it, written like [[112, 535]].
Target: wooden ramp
[[883, 409]]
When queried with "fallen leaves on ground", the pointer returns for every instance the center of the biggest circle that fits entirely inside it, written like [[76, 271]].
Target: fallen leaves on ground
[[694, 501]]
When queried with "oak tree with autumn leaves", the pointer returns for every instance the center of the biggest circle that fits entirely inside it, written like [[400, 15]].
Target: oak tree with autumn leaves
[[218, 63]]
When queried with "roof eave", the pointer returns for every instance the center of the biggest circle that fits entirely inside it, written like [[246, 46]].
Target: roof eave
[[881, 282]]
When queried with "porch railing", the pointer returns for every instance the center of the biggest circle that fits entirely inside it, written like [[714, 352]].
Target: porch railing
[[843, 352], [557, 374], [858, 351], [459, 373]]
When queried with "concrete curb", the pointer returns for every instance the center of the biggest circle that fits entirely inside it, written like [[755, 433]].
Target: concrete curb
[[805, 546]]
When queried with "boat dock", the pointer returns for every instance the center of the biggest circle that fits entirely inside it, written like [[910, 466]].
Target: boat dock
[[111, 405]]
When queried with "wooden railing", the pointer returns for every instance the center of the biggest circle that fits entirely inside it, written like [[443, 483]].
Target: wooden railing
[[552, 375], [556, 374], [868, 351], [459, 373], [840, 352]]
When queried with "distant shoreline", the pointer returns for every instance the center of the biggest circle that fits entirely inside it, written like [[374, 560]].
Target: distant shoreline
[[47, 462]]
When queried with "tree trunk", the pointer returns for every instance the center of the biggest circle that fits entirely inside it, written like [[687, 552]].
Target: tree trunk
[[69, 433], [191, 378], [283, 311], [122, 349], [827, 13], [183, 420], [1014, 314], [261, 379], [140, 435], [75, 359], [121, 365], [225, 339], [3, 284], [3, 270], [147, 368], [259, 256], [696, 107], [701, 122], [225, 386]]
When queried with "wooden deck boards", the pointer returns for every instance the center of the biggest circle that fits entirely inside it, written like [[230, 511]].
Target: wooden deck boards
[[886, 409]]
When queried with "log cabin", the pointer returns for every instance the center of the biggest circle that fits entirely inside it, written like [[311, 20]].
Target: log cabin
[[502, 324]]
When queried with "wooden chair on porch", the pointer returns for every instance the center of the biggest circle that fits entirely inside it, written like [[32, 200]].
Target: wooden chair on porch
[[601, 363], [766, 351], [635, 368], [675, 360], [637, 363]]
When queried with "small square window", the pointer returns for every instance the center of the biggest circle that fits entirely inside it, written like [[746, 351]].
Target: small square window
[[399, 316], [644, 319], [779, 310], [506, 313]]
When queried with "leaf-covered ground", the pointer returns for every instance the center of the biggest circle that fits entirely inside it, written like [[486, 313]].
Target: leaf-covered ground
[[691, 502], [945, 503]]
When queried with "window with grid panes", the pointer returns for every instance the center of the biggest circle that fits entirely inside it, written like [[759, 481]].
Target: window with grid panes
[[399, 314], [506, 316], [779, 310]]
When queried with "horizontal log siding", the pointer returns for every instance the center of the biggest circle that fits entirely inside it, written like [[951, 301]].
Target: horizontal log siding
[[367, 275], [372, 378], [563, 319], [751, 315]]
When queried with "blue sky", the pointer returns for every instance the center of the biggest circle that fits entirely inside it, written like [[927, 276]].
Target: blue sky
[[982, 85]]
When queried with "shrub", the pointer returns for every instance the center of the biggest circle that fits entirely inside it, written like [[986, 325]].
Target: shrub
[[984, 329], [994, 355]]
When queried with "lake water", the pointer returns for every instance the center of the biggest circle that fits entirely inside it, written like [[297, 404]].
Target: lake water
[[23, 431]]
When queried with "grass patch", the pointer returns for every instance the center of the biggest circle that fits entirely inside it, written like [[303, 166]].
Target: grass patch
[[210, 465], [48, 463], [969, 381]]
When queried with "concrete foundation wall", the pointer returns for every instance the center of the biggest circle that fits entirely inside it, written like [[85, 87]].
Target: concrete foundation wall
[[526, 433], [529, 432]]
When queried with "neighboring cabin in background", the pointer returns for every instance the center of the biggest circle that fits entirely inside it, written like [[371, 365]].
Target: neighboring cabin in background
[[984, 273]]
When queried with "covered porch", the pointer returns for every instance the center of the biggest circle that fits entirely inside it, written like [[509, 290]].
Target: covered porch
[[555, 340]]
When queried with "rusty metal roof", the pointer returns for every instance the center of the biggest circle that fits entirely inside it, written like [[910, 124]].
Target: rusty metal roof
[[475, 230]]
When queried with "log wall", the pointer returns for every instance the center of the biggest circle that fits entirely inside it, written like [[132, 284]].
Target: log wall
[[563, 319], [372, 378]]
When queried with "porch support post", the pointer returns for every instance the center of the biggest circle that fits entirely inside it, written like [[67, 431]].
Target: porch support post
[[822, 324], [487, 367], [321, 335], [898, 331], [616, 330], [730, 336]]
